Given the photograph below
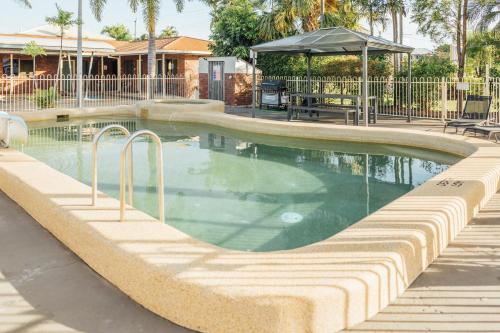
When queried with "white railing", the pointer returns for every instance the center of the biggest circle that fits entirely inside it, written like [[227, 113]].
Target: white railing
[[45, 92], [434, 98]]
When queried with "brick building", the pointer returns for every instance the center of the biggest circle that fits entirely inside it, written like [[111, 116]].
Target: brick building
[[101, 56]]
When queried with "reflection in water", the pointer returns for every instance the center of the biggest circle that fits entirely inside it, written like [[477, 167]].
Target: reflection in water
[[244, 192]]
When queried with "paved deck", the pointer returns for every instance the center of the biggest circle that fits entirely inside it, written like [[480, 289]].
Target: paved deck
[[45, 288], [383, 121], [459, 292]]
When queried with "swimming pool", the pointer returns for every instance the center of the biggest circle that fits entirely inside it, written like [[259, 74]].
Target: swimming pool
[[241, 191]]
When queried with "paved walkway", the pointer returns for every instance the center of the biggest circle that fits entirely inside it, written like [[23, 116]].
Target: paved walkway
[[459, 292], [45, 288]]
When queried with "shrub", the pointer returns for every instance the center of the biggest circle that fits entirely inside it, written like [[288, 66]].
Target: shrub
[[45, 98]]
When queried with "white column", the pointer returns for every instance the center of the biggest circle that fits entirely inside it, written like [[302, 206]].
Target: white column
[[364, 99]]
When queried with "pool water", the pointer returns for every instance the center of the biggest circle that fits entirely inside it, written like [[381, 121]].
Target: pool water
[[239, 191]]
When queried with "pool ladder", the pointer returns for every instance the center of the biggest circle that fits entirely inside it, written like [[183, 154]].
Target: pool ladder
[[126, 156]]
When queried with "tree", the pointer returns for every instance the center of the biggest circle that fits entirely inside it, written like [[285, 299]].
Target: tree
[[34, 50], [63, 21], [432, 66], [441, 19], [150, 12], [234, 29], [374, 11], [482, 52], [487, 14], [443, 51], [288, 17], [117, 31], [169, 32]]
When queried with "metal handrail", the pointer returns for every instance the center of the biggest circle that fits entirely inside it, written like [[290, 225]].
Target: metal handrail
[[95, 143], [159, 169]]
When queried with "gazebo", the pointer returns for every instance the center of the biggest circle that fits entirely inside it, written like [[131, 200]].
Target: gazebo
[[334, 41]]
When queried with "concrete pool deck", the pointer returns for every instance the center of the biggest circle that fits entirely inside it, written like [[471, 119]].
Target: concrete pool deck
[[357, 272], [45, 288]]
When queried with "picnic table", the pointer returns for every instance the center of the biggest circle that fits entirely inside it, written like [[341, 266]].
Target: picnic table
[[328, 103]]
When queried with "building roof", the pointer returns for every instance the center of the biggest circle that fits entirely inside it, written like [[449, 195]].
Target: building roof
[[48, 37], [421, 51], [335, 40], [48, 30], [52, 44], [181, 44]]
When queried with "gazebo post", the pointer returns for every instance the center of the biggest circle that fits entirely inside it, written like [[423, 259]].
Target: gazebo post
[[309, 90], [408, 90], [254, 82], [365, 84]]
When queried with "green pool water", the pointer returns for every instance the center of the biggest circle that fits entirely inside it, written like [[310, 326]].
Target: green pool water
[[239, 191]]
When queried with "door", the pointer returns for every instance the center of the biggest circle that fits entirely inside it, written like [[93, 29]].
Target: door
[[216, 80]]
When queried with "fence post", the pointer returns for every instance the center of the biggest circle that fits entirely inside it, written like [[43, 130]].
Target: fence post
[[444, 98]]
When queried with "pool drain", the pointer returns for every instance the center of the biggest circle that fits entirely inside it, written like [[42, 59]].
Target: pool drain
[[291, 217]]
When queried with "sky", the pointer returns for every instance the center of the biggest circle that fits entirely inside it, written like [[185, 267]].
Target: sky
[[194, 21]]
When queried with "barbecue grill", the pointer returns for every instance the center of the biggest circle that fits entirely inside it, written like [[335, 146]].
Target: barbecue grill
[[274, 94]]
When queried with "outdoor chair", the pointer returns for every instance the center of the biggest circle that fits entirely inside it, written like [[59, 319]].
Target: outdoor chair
[[488, 131], [476, 112]]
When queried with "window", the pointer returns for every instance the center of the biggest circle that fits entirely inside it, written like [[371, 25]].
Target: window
[[21, 67], [6, 66]]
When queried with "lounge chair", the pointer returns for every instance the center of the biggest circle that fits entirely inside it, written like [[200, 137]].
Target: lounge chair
[[476, 112], [489, 131]]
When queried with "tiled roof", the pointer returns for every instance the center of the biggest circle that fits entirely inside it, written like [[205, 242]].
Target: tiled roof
[[142, 45], [180, 44]]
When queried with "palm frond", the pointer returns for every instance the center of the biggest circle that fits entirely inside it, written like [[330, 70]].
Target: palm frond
[[97, 7], [26, 3], [151, 11]]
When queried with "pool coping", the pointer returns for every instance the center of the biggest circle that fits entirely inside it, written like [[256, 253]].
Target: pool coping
[[323, 287]]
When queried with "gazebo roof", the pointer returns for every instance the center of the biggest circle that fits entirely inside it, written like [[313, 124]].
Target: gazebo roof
[[331, 41]]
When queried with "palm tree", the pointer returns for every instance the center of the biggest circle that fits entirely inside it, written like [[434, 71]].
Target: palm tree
[[118, 32], [63, 21], [151, 12], [487, 15], [374, 11], [395, 7], [287, 17], [34, 50], [169, 32]]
